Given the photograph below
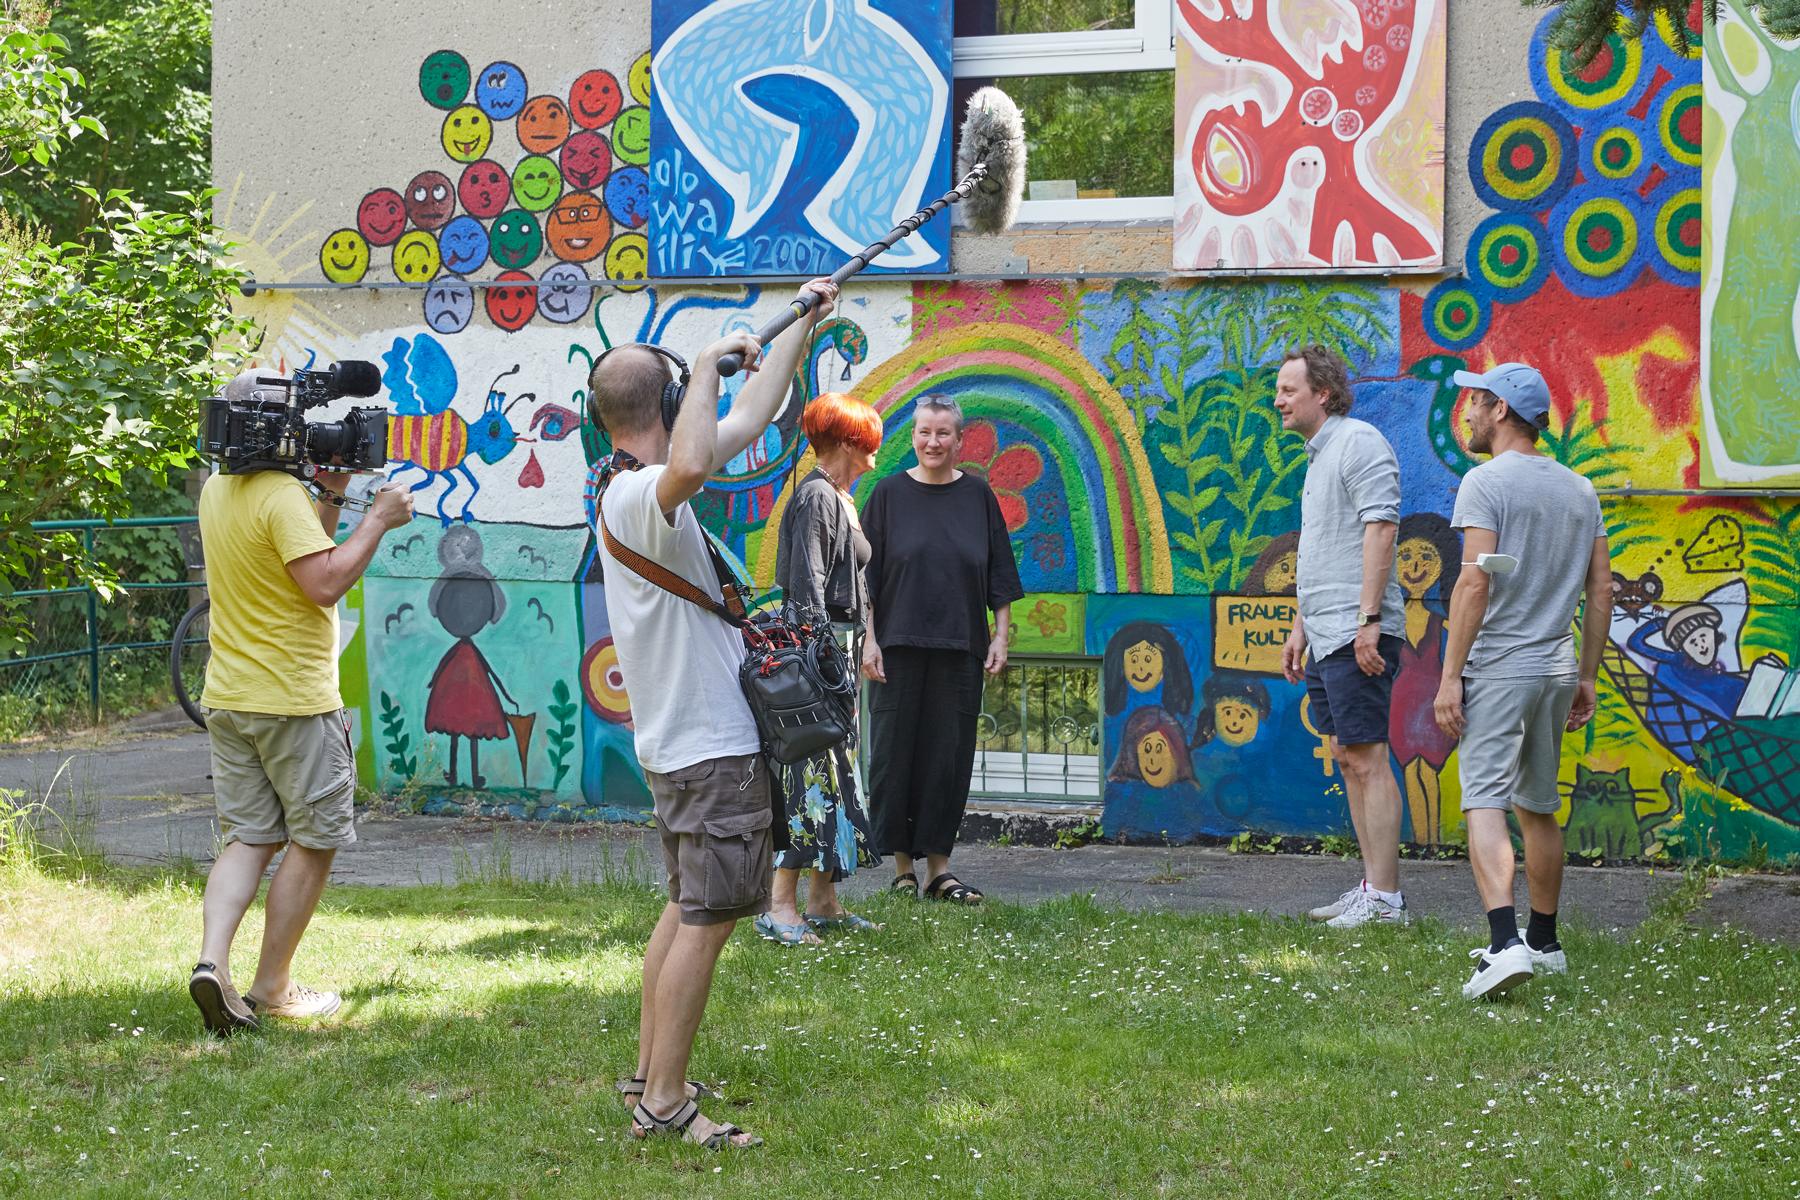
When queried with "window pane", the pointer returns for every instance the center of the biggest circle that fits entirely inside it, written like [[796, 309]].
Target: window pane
[[985, 18], [1093, 135]]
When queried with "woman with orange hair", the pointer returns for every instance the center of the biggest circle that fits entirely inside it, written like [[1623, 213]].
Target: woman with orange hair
[[819, 561]]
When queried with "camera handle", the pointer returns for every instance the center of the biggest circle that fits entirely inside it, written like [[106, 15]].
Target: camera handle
[[336, 500]]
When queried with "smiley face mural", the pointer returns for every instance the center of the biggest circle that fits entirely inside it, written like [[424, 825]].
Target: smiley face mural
[[536, 183], [578, 227], [586, 160], [429, 200], [444, 79], [1154, 750], [381, 217], [467, 133], [345, 256], [594, 99], [580, 191], [463, 243], [500, 90], [631, 136], [564, 293], [543, 124], [416, 258], [511, 308], [628, 197], [516, 239], [449, 303], [484, 190]]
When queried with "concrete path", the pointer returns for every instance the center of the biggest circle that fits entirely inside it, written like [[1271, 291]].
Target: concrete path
[[147, 797]]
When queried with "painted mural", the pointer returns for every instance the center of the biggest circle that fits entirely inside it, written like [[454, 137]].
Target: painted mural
[[786, 137], [1127, 430], [1751, 295], [1309, 135], [520, 185]]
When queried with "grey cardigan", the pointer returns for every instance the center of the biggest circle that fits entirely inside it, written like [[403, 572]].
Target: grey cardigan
[[815, 552]]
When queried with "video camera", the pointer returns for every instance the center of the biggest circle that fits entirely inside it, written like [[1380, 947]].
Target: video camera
[[258, 423]]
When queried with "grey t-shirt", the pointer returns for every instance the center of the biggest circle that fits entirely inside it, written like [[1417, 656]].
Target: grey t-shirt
[[1547, 517]]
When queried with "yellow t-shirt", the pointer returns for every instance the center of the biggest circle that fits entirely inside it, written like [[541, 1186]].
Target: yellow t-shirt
[[273, 650]]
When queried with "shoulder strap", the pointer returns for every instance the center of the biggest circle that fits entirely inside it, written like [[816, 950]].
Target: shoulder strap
[[731, 611]]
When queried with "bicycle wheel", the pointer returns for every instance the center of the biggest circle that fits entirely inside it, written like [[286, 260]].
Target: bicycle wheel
[[189, 651]]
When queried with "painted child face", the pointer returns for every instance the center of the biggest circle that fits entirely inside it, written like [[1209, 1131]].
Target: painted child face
[[484, 189], [1281, 574], [1156, 759], [1419, 566], [381, 217], [1702, 645], [1143, 666], [543, 124], [578, 227], [429, 200], [585, 160], [1235, 722], [594, 99]]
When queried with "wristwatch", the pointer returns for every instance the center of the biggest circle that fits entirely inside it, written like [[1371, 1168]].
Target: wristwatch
[[1367, 618]]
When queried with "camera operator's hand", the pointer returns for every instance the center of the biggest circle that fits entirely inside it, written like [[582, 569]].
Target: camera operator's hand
[[742, 342], [393, 507]]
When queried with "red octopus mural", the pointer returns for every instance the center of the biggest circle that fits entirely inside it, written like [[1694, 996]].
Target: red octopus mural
[[1309, 133]]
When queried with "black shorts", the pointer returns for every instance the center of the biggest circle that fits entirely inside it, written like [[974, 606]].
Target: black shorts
[[1346, 704]]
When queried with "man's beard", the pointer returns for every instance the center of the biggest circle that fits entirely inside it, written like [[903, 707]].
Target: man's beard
[[1481, 441]]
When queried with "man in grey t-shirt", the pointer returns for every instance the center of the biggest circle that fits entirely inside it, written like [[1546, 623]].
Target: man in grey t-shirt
[[1511, 684]]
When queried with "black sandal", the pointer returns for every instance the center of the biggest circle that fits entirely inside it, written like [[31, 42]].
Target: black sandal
[[680, 1123], [908, 883], [949, 887], [695, 1089]]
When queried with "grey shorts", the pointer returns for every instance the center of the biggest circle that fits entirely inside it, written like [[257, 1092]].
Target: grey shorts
[[1512, 741], [280, 779], [714, 818]]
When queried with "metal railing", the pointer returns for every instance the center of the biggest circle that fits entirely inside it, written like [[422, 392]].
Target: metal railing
[[95, 646]]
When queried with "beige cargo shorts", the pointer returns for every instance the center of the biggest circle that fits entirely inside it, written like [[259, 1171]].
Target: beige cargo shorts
[[280, 779], [714, 818]]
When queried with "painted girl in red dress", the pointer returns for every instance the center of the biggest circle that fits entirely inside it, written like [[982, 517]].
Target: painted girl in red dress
[[1427, 548], [465, 692]]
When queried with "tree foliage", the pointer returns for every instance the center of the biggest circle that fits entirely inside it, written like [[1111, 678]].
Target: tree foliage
[[1581, 27], [39, 112], [108, 340]]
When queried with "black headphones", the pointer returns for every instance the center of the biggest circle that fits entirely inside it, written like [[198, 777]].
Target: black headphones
[[673, 391]]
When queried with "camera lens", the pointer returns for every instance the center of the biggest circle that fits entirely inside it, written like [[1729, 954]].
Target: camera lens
[[326, 440]]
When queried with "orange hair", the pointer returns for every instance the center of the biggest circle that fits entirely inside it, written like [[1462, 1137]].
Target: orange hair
[[840, 419]]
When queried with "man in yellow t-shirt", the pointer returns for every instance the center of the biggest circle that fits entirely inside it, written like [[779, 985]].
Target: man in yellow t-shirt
[[283, 773]]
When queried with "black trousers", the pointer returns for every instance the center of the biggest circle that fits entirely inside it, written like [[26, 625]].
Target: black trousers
[[922, 748]]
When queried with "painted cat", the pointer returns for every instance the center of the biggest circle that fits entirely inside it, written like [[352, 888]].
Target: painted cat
[[1603, 814]]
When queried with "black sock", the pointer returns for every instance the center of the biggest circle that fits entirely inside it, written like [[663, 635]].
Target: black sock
[[1540, 931], [1503, 928]]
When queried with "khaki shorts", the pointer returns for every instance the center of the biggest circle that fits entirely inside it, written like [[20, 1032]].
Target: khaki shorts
[[1511, 745], [714, 820], [281, 779]]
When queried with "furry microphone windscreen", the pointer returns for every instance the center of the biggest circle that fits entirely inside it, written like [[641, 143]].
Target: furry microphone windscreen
[[993, 132]]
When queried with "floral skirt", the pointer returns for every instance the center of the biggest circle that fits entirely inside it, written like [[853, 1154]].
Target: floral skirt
[[827, 822]]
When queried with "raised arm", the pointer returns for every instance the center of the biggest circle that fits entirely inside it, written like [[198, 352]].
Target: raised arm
[[760, 399]]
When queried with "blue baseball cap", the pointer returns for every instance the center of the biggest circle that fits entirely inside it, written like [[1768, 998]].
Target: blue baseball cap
[[1523, 389]]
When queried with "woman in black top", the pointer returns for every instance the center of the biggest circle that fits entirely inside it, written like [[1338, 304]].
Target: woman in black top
[[819, 559], [940, 560]]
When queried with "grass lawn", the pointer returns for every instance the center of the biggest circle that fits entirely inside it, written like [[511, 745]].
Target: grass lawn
[[1056, 1051]]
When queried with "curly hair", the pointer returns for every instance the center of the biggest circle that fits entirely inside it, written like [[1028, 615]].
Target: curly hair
[[1326, 372]]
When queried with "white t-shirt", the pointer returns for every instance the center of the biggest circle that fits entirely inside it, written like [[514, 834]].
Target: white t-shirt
[[678, 661]]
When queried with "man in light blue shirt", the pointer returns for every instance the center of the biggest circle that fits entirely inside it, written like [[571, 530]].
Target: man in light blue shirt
[[1352, 616]]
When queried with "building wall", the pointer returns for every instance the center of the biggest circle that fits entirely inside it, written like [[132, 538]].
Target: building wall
[[1122, 416]]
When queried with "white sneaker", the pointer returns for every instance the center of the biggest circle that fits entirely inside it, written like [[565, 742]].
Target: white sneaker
[[1497, 972], [1327, 911], [1366, 908], [1547, 962]]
